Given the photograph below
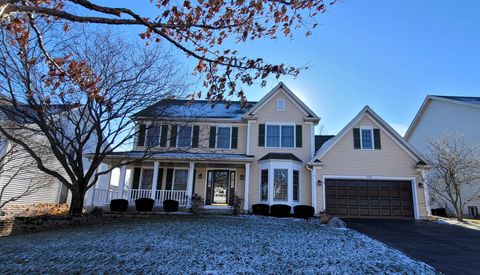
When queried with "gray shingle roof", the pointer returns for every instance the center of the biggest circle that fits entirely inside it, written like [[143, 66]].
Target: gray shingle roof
[[320, 140], [466, 99], [286, 156], [176, 108]]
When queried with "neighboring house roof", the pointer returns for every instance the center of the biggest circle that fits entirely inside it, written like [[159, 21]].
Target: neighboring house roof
[[281, 86], [282, 156], [182, 109], [470, 101], [14, 114], [185, 156], [329, 144], [320, 140]]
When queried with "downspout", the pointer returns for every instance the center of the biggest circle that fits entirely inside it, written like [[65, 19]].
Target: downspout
[[313, 173]]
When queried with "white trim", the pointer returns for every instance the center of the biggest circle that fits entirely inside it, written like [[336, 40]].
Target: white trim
[[247, 187], [312, 138], [121, 181], [413, 180], [271, 166], [314, 189], [190, 180], [249, 131], [156, 167]]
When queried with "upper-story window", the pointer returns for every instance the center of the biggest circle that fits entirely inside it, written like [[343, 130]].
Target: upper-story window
[[366, 138], [153, 136], [280, 136], [184, 136], [280, 105], [224, 137]]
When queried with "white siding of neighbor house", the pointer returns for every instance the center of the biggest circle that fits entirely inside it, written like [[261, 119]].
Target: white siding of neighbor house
[[391, 161], [441, 117], [50, 191], [292, 114]]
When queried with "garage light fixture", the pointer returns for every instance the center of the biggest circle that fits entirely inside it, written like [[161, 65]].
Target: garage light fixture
[[420, 184], [319, 182]]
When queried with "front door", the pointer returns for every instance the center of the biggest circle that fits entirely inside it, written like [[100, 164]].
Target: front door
[[220, 187]]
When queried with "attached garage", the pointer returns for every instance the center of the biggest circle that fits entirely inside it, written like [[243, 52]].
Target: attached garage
[[369, 198]]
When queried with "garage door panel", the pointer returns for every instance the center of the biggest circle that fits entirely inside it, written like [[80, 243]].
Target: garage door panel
[[364, 198]]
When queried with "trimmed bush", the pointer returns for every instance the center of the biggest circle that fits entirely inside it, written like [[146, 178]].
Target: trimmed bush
[[170, 205], [118, 205], [303, 211], [144, 204], [280, 210], [261, 209]]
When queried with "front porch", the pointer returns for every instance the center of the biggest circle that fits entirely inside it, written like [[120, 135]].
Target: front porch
[[216, 182]]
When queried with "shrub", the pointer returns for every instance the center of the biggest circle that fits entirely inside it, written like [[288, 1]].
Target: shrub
[[303, 211], [170, 206], [280, 210], [197, 204], [144, 204], [118, 205], [96, 211], [236, 203], [261, 209]]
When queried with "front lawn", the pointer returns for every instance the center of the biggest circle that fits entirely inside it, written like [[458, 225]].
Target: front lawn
[[188, 244]]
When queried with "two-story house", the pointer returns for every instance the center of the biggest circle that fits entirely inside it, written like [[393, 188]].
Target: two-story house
[[266, 152]]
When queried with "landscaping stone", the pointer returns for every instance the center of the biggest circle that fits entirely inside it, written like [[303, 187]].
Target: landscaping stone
[[336, 222]]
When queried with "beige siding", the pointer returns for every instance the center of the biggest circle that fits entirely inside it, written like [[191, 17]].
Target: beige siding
[[391, 161], [293, 114]]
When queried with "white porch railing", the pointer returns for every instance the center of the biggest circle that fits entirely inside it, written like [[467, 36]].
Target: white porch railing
[[104, 196], [176, 195]]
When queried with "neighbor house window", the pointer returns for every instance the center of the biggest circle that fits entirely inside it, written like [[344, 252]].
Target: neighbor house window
[[281, 105], [264, 186], [473, 211], [153, 136], [180, 180], [367, 138], [281, 136], [147, 177], [184, 137], [223, 137], [296, 185], [280, 184]]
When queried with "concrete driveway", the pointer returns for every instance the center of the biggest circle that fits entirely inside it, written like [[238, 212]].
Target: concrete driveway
[[448, 248]]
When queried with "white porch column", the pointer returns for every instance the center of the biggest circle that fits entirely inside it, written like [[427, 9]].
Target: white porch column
[[156, 165], [314, 189], [190, 184], [121, 181], [247, 186]]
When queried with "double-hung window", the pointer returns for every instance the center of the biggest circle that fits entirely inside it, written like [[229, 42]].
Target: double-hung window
[[184, 137], [264, 185], [281, 136], [180, 180], [147, 178], [224, 137], [153, 135], [366, 135], [280, 184]]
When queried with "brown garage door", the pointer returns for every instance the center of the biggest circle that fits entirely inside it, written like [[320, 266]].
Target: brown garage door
[[369, 198]]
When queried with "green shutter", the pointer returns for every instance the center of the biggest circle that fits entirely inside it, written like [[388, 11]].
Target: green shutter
[[261, 135], [163, 136], [169, 183], [356, 138], [376, 139], [173, 135], [136, 177], [234, 137], [141, 135], [298, 134], [196, 132], [213, 137]]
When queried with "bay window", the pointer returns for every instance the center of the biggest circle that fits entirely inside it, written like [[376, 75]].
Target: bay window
[[296, 185], [280, 184], [264, 185]]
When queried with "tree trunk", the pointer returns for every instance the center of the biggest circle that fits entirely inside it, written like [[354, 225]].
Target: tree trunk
[[459, 213], [76, 206]]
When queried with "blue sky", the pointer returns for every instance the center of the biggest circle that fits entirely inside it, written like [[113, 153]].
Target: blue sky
[[386, 54]]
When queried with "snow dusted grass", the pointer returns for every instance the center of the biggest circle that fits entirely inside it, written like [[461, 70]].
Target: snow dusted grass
[[213, 245]]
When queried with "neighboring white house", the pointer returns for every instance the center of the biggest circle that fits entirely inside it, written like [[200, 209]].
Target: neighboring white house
[[267, 153], [441, 115], [20, 174]]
